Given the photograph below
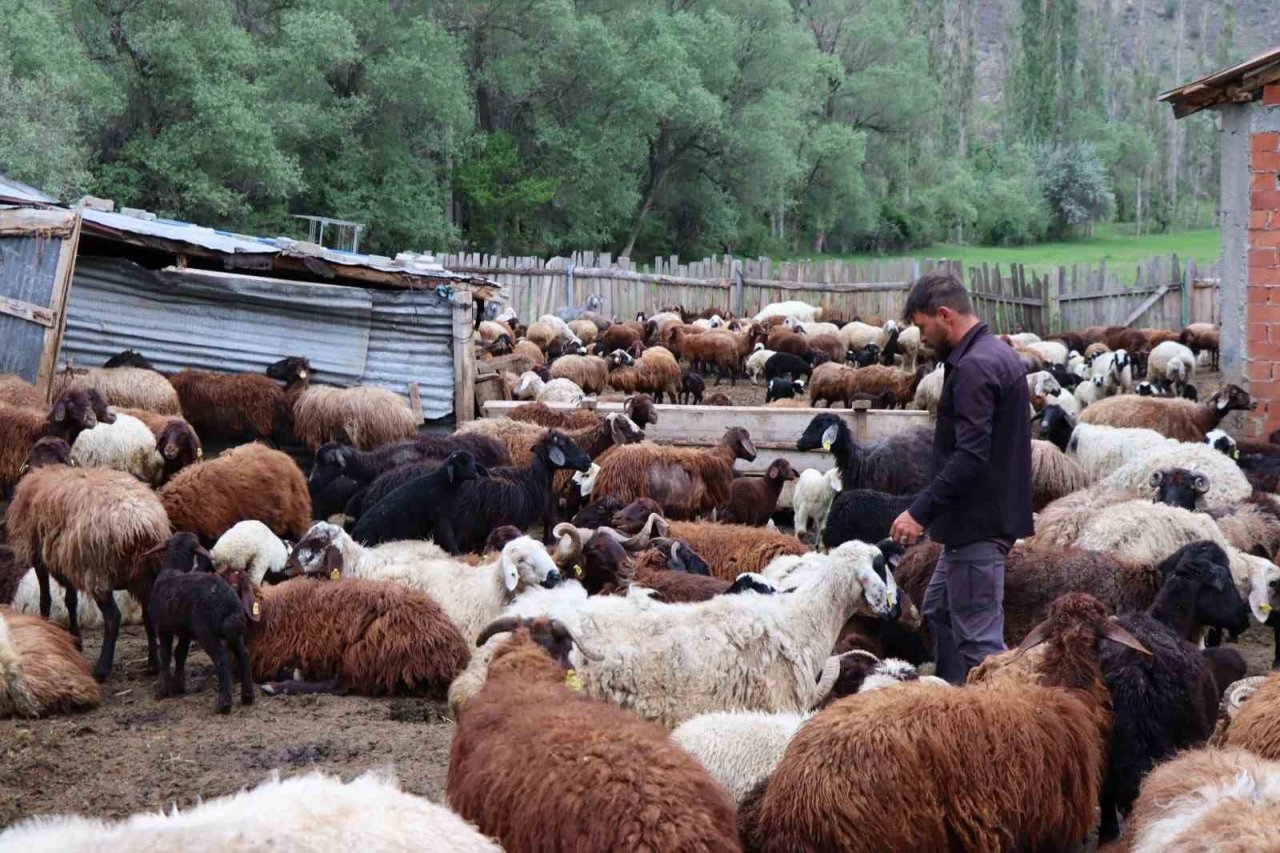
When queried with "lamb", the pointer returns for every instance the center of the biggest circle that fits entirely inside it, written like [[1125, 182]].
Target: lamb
[[685, 481], [761, 652], [41, 671], [175, 439], [190, 603], [782, 340], [656, 372], [814, 493], [1177, 418], [125, 444], [957, 786], [1088, 392], [896, 465], [88, 528], [785, 364], [780, 389], [240, 406], [471, 596], [72, 413], [250, 481], [756, 362], [1115, 369], [1202, 337], [134, 387], [621, 784], [1172, 362], [692, 387], [251, 547], [312, 812], [588, 372], [532, 387], [802, 311], [752, 500], [412, 510]]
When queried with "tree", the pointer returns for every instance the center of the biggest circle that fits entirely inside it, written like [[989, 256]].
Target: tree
[[1076, 186]]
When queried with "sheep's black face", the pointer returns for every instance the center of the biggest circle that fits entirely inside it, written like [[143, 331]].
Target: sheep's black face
[[184, 553], [1218, 602], [1056, 426], [331, 460], [561, 452], [824, 432], [1179, 487], [460, 467], [1235, 398], [290, 369], [49, 451]]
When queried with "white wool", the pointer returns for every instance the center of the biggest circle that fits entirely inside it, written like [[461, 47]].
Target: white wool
[[1115, 369], [1145, 532], [738, 748], [312, 812], [929, 391], [815, 491], [1064, 400], [857, 335], [585, 481], [812, 329], [1173, 361], [251, 546], [1254, 578], [561, 328], [1088, 392], [1023, 339], [531, 387], [888, 673], [1041, 383], [1227, 483], [26, 599], [1101, 450], [909, 343], [1076, 365], [126, 445], [1054, 352], [756, 361], [800, 310]]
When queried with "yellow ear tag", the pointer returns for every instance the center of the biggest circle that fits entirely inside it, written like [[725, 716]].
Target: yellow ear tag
[[826, 445], [334, 575], [257, 609], [572, 681], [577, 570], [199, 452]]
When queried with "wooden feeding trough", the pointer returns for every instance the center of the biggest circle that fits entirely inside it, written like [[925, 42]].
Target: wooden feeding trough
[[773, 430]]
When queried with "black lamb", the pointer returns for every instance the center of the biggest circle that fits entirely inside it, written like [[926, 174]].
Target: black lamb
[[891, 349], [189, 601], [862, 514], [898, 465], [786, 364], [334, 459], [129, 358], [692, 387], [783, 389], [416, 509], [1167, 701], [520, 496], [865, 357]]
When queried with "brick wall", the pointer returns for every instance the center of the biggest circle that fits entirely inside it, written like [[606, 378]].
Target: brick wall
[[1263, 312]]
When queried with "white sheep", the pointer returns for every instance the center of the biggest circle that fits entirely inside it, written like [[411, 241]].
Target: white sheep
[[1054, 352], [250, 546], [909, 343], [1041, 383], [669, 662], [1024, 339], [1101, 450], [715, 321], [312, 812], [1145, 532], [1076, 364], [1115, 369], [472, 596], [756, 361], [812, 329], [1064, 400], [1088, 392], [857, 335], [26, 599], [1227, 483], [802, 311], [127, 445], [929, 391], [815, 490], [532, 387], [562, 330], [1172, 361]]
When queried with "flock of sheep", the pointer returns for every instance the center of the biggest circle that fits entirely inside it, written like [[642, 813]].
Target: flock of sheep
[[660, 667]]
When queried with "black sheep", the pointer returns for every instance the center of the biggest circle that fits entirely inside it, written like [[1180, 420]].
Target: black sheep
[[783, 389], [1180, 487], [865, 357], [1056, 426], [898, 464], [862, 514], [416, 509], [786, 364], [598, 513], [891, 349], [1066, 378], [692, 386], [335, 460], [1167, 701], [129, 358], [520, 496], [189, 601]]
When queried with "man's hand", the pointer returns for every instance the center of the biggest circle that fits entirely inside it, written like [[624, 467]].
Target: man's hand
[[906, 530]]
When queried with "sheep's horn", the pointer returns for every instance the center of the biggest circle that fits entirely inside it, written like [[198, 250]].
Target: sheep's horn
[[565, 530], [655, 525], [1239, 691], [615, 534], [831, 673], [499, 626]]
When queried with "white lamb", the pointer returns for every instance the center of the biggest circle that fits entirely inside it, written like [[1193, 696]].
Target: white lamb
[[1101, 450], [127, 445], [1115, 369], [812, 328], [1172, 361], [251, 546], [1054, 352], [1088, 392], [312, 812], [472, 596], [815, 491], [1041, 383], [715, 321], [1064, 400], [802, 311], [1227, 483], [532, 387], [929, 391], [669, 662], [1076, 364], [756, 361]]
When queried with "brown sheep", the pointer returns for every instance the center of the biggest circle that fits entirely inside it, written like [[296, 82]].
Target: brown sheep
[[752, 500], [20, 428], [687, 482], [621, 336], [718, 399], [655, 372], [1256, 726], [247, 482], [731, 549], [88, 528], [235, 406], [176, 440], [1176, 418], [1158, 336], [674, 337], [588, 372], [714, 350], [827, 345], [367, 637], [960, 781], [16, 391], [41, 671], [834, 383], [785, 340], [363, 416], [1122, 337], [1200, 337], [1053, 474], [531, 351], [585, 330], [638, 407], [590, 776], [652, 570]]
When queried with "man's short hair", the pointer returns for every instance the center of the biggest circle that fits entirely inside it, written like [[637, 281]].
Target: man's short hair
[[935, 290]]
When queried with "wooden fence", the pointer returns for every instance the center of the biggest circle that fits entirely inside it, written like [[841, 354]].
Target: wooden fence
[[1158, 292]]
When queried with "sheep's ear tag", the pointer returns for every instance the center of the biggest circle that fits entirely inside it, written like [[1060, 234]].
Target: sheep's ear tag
[[572, 681], [257, 610], [577, 570], [334, 575], [1235, 454], [199, 452], [829, 437]]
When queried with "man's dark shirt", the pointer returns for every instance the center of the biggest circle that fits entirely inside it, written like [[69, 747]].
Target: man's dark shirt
[[981, 466]]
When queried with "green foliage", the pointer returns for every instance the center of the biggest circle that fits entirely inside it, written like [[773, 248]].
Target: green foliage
[[1075, 185]]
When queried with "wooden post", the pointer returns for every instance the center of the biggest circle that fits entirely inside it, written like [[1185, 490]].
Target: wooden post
[[464, 360], [57, 304], [1188, 285]]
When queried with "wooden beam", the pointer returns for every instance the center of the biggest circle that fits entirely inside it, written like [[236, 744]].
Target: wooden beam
[[1146, 303], [464, 360], [415, 403], [57, 305], [26, 311], [27, 221]]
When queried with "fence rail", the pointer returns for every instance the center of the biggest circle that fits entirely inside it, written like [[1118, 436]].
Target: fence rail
[[1163, 291]]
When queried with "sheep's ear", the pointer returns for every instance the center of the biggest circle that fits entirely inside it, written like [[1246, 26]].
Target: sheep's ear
[[556, 455], [1035, 637], [829, 436], [510, 573], [1113, 632]]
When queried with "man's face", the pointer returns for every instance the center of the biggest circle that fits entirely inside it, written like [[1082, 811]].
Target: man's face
[[934, 328]]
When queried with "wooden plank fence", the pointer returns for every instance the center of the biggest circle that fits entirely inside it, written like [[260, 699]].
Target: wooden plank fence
[[1161, 292]]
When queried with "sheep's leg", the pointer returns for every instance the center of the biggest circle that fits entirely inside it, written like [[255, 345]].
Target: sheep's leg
[[294, 687], [179, 684], [222, 663], [71, 598], [1109, 828], [445, 537], [42, 578], [110, 633], [1275, 631], [164, 687], [245, 670], [549, 520], [152, 658]]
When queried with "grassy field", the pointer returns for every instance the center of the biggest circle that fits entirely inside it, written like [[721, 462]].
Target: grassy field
[[1111, 243]]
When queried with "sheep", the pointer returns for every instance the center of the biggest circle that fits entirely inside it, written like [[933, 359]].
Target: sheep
[[412, 510], [134, 387], [88, 528], [692, 387], [1115, 369], [802, 311], [516, 495], [837, 382], [311, 812], [1180, 419], [756, 362], [1252, 525], [176, 440], [1227, 484], [253, 548], [957, 786], [1088, 392], [250, 481], [752, 500], [815, 490], [718, 400], [1172, 362], [780, 389], [190, 603], [621, 336], [785, 364], [241, 406], [126, 445], [519, 437], [1064, 400], [786, 341], [622, 784], [362, 416], [687, 482], [72, 413], [862, 515], [1053, 474], [656, 372], [18, 392], [1099, 450], [825, 347], [471, 596], [532, 387], [1202, 337], [897, 464], [548, 330], [756, 652], [857, 335], [41, 671], [1146, 532], [929, 391], [1053, 352], [714, 350], [588, 372], [1180, 487]]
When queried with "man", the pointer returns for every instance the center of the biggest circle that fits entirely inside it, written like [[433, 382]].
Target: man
[[979, 500]]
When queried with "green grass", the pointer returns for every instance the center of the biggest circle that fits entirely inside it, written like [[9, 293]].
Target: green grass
[[1111, 243]]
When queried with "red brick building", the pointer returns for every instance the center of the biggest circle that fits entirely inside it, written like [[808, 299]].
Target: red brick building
[[1247, 99]]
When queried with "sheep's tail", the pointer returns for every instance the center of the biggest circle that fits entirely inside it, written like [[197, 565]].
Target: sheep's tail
[[15, 699]]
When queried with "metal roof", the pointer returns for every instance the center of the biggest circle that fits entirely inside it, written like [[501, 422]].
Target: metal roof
[[182, 232], [1238, 83], [16, 191]]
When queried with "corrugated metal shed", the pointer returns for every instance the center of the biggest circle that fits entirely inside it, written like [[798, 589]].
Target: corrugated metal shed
[[16, 192], [185, 232], [28, 266], [410, 340]]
